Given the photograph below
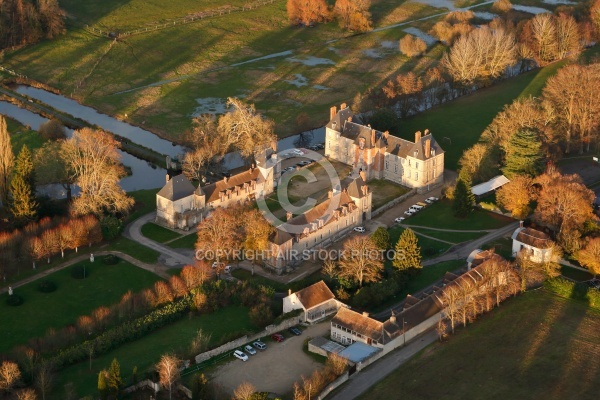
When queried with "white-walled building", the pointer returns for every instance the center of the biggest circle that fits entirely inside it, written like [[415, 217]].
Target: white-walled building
[[537, 245], [418, 164], [316, 301]]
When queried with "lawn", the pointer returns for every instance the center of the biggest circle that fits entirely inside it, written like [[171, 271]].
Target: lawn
[[158, 233], [502, 246], [429, 248], [453, 237], [104, 286], [575, 274], [246, 275], [134, 249], [440, 215], [145, 202], [145, 352], [385, 191], [184, 242], [536, 346], [21, 135]]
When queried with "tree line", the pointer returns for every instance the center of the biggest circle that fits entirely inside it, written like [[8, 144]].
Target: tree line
[[28, 21], [352, 15], [44, 239]]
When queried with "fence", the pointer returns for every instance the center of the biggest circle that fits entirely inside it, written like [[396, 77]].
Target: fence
[[180, 21], [12, 72]]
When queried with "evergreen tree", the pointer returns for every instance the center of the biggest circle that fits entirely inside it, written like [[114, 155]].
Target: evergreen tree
[[6, 161], [114, 380], [464, 199], [102, 385], [23, 206], [408, 252], [524, 155], [199, 387], [381, 238]]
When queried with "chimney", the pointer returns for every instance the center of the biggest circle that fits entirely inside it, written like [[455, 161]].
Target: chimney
[[363, 175], [372, 137], [330, 194], [332, 112], [426, 132], [366, 314], [343, 106], [349, 119], [288, 216], [520, 224], [252, 166], [168, 178], [225, 179], [417, 136], [365, 190], [289, 292], [427, 148], [386, 134]]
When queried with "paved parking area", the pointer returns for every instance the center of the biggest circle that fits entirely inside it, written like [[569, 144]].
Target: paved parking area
[[274, 369]]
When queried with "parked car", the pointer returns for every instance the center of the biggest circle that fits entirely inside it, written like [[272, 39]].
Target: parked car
[[408, 213], [241, 355], [360, 229], [259, 345], [288, 169], [249, 349], [320, 146], [304, 163], [431, 200], [227, 269], [417, 207], [399, 219], [295, 331], [278, 337]]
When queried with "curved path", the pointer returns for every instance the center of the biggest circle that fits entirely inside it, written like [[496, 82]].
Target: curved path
[[148, 267], [448, 230], [172, 257]]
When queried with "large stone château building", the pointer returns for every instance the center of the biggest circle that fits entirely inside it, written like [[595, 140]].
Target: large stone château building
[[180, 205], [418, 164], [342, 211]]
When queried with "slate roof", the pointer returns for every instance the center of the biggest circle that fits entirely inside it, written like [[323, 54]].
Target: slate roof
[[314, 295], [357, 322], [478, 256], [212, 191], [533, 237], [178, 188], [354, 188]]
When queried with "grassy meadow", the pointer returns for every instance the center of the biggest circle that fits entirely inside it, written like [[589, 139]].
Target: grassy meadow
[[535, 346]]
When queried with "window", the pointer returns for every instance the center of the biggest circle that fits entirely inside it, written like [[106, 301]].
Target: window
[[396, 168], [417, 165], [387, 165], [416, 176]]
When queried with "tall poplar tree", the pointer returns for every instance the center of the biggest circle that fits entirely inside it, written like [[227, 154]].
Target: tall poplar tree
[[408, 252], [23, 206], [6, 161]]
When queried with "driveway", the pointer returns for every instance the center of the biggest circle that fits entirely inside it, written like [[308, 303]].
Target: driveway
[[274, 369]]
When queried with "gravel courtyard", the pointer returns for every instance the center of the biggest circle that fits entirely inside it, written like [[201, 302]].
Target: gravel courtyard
[[274, 369]]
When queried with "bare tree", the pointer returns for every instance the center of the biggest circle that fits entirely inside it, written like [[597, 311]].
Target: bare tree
[[244, 392], [353, 15], [307, 12], [361, 260], [482, 54], [168, 372], [200, 342], [195, 163], [256, 234], [502, 6], [6, 161], [26, 394], [94, 162], [44, 379], [539, 34], [450, 297], [218, 232], [50, 167], [568, 39]]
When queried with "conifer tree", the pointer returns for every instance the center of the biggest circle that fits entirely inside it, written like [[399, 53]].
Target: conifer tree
[[23, 206], [408, 252], [463, 197], [102, 385], [524, 154], [114, 379], [381, 238]]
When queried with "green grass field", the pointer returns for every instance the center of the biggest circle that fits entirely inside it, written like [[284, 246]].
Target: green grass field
[[453, 237], [184, 242], [440, 215], [134, 249], [385, 191], [73, 298], [21, 135], [145, 202], [145, 352], [535, 346], [429, 248], [158, 233]]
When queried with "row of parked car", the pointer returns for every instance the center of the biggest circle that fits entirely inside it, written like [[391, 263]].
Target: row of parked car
[[415, 208], [259, 345], [299, 165]]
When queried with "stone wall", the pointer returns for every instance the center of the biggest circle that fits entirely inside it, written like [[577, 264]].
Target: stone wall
[[333, 385], [392, 203]]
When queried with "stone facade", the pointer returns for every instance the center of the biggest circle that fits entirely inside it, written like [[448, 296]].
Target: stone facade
[[418, 164]]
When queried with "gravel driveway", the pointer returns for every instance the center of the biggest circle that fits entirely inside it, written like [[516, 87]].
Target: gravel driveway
[[274, 369]]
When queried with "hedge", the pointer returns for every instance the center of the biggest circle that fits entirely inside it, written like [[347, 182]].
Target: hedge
[[126, 332], [571, 290]]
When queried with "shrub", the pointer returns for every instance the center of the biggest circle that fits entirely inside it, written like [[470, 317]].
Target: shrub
[[14, 300], [110, 259], [47, 286], [571, 290], [79, 272], [111, 227]]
